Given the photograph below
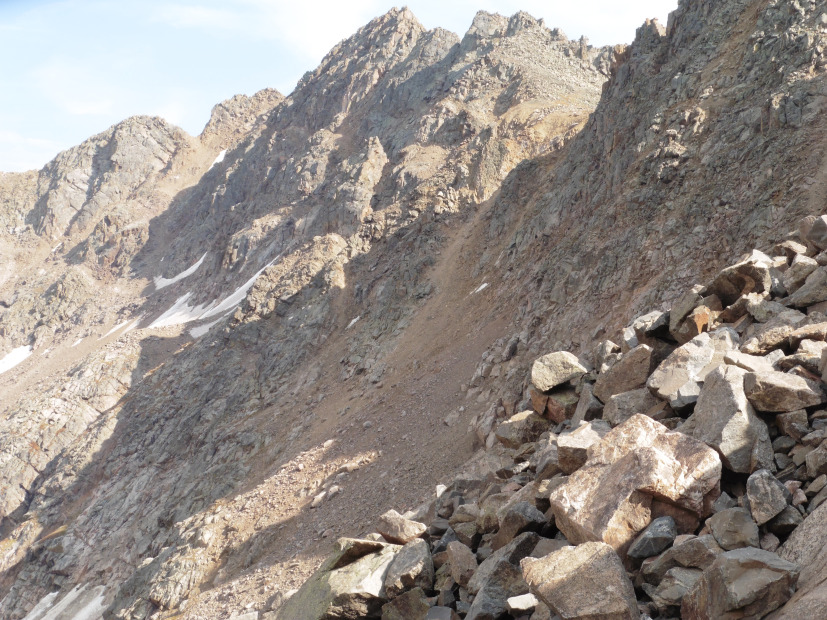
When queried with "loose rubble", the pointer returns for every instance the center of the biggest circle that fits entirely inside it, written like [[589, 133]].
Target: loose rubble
[[709, 511]]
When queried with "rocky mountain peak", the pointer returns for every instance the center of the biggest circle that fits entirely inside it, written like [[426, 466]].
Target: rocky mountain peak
[[252, 343], [234, 119]]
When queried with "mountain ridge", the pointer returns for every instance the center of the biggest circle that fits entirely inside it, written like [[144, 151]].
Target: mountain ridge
[[355, 280]]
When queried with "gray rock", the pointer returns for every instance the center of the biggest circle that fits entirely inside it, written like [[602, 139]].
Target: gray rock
[[613, 496], [623, 406], [681, 309], [724, 419], [813, 291], [779, 391], [676, 583], [441, 613], [767, 496], [513, 552], [588, 407], [733, 528], [411, 605], [521, 605], [523, 427], [462, 561], [411, 568], [564, 580], [629, 373], [554, 369], [573, 447], [350, 583], [741, 583], [397, 529], [723, 502], [751, 363], [679, 377], [657, 536], [749, 276], [793, 423], [805, 547], [502, 582], [817, 461], [817, 232], [801, 267], [697, 552], [519, 518], [655, 323]]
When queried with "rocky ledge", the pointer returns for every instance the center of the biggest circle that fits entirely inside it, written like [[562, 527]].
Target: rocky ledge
[[679, 473]]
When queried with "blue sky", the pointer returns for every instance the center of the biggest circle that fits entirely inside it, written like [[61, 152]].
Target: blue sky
[[72, 68]]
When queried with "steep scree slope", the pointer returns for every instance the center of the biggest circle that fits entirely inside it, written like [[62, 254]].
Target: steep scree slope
[[193, 464]]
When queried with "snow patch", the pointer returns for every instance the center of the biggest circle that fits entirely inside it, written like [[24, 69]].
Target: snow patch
[[114, 329], [480, 288], [134, 324], [181, 312], [219, 158], [197, 332], [161, 282], [79, 604], [353, 322], [237, 296], [14, 358]]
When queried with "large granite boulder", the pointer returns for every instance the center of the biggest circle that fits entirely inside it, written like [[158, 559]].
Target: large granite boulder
[[587, 581], [678, 378], [638, 466], [724, 419], [349, 584], [743, 583], [555, 369]]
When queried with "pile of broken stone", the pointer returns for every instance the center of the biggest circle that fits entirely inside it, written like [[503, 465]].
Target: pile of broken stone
[[672, 475]]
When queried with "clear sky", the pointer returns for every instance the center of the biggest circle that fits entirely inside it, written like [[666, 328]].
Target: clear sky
[[72, 68]]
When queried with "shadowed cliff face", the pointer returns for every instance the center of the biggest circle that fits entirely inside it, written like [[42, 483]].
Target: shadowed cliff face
[[707, 142], [326, 233]]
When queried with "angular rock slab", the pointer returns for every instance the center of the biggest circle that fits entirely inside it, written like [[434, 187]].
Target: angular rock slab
[[734, 528], [767, 496], [503, 582], [513, 552], [587, 581], [749, 276], [725, 420], [675, 585], [411, 568], [463, 562], [628, 373], [350, 584], [412, 605], [397, 529], [610, 498], [806, 547], [781, 392], [678, 378], [521, 428], [657, 536], [554, 369], [623, 406], [744, 583], [813, 291], [572, 448]]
